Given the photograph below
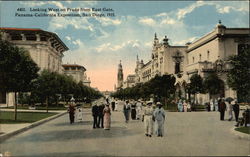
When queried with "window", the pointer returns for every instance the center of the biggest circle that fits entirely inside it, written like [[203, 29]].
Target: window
[[208, 55], [243, 47], [16, 37], [43, 38], [200, 57], [177, 67], [193, 59], [30, 37]]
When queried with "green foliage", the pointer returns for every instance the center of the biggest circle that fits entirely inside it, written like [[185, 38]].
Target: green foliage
[[24, 117], [160, 86], [245, 130], [17, 69], [49, 84], [196, 84], [213, 84], [239, 76]]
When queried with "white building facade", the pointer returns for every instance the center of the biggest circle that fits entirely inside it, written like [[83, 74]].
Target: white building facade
[[78, 73], [210, 53], [45, 48]]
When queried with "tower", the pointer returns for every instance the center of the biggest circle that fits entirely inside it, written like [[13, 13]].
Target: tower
[[120, 76]]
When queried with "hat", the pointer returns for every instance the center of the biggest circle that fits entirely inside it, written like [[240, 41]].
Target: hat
[[149, 103], [158, 103]]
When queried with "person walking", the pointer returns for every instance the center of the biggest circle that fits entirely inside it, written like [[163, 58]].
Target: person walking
[[222, 108], [236, 109], [107, 117], [126, 111], [159, 116], [133, 111], [95, 113], [180, 106], [211, 105], [148, 119], [113, 105], [80, 114], [100, 115], [230, 110], [184, 106], [216, 108], [188, 107], [71, 111], [138, 109]]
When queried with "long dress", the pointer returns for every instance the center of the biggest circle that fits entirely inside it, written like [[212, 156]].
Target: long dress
[[107, 118], [159, 115], [230, 111], [185, 106], [71, 113], [138, 110], [126, 111], [133, 111], [79, 114], [180, 107], [211, 106]]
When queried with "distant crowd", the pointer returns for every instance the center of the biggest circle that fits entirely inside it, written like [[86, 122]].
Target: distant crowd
[[152, 114]]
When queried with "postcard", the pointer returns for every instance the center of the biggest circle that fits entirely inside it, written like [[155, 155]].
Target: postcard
[[124, 78]]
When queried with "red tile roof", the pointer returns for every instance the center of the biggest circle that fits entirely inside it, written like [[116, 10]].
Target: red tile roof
[[20, 29], [34, 29]]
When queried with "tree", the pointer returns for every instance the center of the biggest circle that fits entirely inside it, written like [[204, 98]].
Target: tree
[[239, 76], [213, 84], [17, 70], [195, 85]]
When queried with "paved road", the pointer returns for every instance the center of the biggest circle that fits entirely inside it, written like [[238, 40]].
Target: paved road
[[195, 133]]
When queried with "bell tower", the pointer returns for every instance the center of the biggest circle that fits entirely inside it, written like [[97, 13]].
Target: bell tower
[[120, 76]]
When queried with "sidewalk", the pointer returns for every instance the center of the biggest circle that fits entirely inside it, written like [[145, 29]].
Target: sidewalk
[[9, 130]]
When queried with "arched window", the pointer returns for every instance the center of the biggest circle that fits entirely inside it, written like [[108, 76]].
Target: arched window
[[177, 67]]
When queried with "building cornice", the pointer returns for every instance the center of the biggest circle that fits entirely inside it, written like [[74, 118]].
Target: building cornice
[[35, 31], [214, 34]]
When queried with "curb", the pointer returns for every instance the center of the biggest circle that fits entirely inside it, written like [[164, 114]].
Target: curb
[[32, 125], [239, 134]]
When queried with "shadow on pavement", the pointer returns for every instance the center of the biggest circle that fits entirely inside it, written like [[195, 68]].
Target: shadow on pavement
[[79, 123], [95, 153], [78, 134]]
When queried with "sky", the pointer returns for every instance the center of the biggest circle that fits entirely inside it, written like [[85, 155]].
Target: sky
[[99, 43]]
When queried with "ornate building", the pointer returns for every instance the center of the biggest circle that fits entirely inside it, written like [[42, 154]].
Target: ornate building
[[129, 82], [210, 53], [78, 73], [44, 47], [119, 76]]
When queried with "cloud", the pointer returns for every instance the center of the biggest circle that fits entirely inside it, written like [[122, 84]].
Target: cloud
[[78, 42], [181, 13], [105, 21], [63, 23], [161, 15], [223, 10], [68, 38], [168, 21], [147, 21], [183, 42]]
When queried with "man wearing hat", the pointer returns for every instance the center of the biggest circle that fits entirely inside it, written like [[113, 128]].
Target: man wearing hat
[[95, 114], [159, 115], [148, 119]]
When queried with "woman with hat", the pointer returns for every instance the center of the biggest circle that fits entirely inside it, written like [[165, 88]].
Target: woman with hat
[[148, 119], [159, 116], [126, 110], [107, 117], [180, 106]]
